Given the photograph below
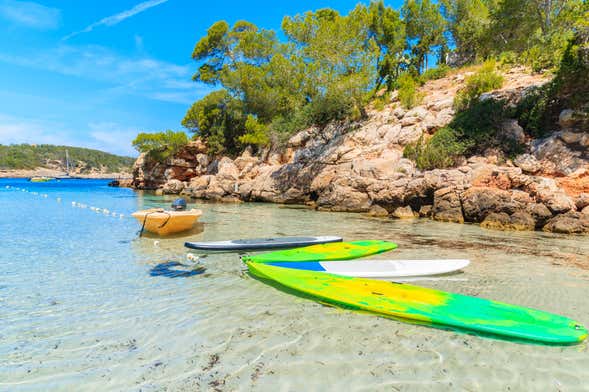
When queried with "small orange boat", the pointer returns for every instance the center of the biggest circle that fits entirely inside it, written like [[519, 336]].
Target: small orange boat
[[162, 222]]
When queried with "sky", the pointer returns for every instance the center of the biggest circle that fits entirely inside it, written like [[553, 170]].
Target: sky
[[96, 73]]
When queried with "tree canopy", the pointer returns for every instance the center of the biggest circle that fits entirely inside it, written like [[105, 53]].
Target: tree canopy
[[328, 66]]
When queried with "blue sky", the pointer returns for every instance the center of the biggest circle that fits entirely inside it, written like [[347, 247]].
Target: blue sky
[[95, 73]]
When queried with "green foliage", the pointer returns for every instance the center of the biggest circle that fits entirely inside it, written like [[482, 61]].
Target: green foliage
[[438, 72], [408, 94], [160, 145], [28, 156], [468, 22], [425, 29], [442, 150], [485, 79], [218, 119], [256, 133], [388, 31], [538, 111]]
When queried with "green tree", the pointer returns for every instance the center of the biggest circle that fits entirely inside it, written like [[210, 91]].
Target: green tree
[[160, 145], [468, 23], [388, 31], [217, 118], [425, 29]]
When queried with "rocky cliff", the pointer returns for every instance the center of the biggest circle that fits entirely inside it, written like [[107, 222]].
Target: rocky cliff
[[359, 167]]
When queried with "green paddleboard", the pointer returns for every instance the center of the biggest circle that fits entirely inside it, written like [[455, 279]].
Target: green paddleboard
[[325, 252], [428, 306]]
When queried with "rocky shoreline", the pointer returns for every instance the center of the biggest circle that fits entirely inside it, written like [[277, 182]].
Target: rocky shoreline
[[359, 167]]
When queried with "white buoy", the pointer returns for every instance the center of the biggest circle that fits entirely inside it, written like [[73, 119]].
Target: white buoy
[[114, 214], [156, 243], [121, 216]]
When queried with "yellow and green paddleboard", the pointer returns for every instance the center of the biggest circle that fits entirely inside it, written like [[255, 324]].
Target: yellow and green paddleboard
[[325, 252], [428, 306]]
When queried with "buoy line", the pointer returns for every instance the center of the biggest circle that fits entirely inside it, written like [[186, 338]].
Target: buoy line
[[74, 204]]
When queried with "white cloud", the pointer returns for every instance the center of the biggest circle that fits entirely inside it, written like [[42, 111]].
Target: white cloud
[[30, 14], [117, 18], [142, 76]]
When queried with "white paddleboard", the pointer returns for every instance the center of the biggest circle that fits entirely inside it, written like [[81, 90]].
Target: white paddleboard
[[380, 269], [262, 243]]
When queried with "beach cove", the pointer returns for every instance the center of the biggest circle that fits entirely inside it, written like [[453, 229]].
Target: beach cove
[[81, 310]]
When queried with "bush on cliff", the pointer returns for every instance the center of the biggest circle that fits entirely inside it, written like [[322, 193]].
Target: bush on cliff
[[484, 80], [442, 150], [161, 145], [409, 96]]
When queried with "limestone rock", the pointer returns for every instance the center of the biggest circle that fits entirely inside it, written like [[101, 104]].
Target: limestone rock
[[539, 212], [377, 211], [569, 223], [528, 163], [426, 210], [478, 202], [582, 201], [447, 207], [342, 198], [173, 187], [404, 213], [513, 131], [566, 119], [519, 221]]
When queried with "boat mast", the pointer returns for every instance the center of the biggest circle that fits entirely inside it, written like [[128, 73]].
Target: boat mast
[[67, 163]]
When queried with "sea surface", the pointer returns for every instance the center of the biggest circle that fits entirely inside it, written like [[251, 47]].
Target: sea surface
[[88, 305]]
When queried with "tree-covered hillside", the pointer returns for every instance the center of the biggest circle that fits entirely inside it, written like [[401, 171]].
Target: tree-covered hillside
[[27, 156], [329, 66]]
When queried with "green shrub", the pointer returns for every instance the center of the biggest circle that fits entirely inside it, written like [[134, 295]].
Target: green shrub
[[408, 94], [485, 79], [442, 150], [434, 73], [160, 145], [256, 133]]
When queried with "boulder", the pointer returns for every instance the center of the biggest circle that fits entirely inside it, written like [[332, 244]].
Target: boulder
[[566, 119], [478, 202], [404, 213], [343, 198], [519, 221], [173, 187], [426, 210], [377, 211], [568, 223], [447, 207], [513, 132], [582, 201], [558, 202], [585, 211], [227, 170], [539, 212], [528, 163]]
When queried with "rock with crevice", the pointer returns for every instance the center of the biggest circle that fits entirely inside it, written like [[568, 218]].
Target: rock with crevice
[[447, 206]]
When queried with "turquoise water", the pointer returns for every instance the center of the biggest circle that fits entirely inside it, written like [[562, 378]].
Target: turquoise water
[[80, 309]]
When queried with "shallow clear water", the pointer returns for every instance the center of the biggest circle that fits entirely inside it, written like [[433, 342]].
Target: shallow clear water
[[80, 309]]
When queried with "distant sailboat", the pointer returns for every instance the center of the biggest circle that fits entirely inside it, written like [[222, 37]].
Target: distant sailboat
[[67, 168]]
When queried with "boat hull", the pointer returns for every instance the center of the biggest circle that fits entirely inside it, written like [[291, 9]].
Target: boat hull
[[167, 222]]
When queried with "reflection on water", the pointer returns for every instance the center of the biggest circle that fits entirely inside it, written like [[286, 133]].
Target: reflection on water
[[80, 308]]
